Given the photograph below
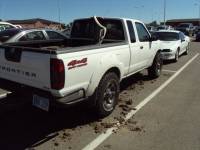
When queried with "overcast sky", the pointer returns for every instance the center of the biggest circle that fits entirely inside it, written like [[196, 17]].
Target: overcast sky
[[145, 10]]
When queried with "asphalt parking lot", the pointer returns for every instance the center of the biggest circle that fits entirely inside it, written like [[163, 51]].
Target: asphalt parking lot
[[161, 118]]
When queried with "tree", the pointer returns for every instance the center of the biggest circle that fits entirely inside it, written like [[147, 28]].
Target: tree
[[154, 23]]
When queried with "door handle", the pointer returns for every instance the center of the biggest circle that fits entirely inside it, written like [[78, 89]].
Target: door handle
[[141, 47]]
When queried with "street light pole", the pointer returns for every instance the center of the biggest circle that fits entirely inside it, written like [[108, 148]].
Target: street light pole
[[198, 5], [199, 13]]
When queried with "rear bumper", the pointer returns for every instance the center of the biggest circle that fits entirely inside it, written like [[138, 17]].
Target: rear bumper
[[73, 97]]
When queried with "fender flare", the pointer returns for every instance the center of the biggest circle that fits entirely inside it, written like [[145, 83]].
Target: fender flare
[[106, 64]]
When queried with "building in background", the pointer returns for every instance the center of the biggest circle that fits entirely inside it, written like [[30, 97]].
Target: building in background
[[37, 23], [176, 22]]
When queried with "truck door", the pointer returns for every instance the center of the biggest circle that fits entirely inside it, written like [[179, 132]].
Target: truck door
[[145, 46], [140, 47], [134, 50]]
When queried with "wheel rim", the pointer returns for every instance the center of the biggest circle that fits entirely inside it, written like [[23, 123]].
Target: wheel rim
[[109, 95]]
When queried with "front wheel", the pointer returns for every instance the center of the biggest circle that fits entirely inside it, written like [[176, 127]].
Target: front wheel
[[176, 56], [187, 50], [155, 70], [107, 94]]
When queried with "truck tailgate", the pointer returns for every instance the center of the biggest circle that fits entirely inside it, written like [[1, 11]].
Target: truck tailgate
[[25, 66]]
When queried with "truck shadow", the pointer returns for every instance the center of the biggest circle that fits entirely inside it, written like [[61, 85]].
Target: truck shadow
[[23, 127], [138, 78]]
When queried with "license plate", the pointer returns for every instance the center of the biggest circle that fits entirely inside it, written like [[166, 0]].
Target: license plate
[[41, 102]]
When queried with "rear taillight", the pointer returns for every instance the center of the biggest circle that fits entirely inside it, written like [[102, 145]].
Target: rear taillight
[[57, 74]]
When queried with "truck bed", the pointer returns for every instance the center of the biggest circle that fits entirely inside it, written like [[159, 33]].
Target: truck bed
[[62, 46]]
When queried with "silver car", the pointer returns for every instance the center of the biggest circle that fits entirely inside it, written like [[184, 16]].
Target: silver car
[[23, 35]]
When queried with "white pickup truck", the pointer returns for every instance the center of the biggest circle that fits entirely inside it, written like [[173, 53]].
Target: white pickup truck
[[90, 64]]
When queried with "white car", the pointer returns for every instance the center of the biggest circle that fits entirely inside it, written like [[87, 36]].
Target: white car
[[28, 35], [6, 25], [165, 27], [173, 44]]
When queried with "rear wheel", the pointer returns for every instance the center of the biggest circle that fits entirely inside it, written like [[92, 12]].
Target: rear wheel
[[107, 94], [155, 70]]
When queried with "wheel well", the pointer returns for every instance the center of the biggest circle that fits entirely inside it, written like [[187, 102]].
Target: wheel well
[[115, 70], [159, 51]]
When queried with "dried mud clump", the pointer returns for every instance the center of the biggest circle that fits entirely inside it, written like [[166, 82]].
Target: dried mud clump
[[108, 146]]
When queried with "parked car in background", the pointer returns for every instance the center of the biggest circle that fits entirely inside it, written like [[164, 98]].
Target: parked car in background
[[197, 29], [173, 44], [165, 27], [5, 25], [22, 35], [151, 28], [186, 28], [66, 32], [198, 37]]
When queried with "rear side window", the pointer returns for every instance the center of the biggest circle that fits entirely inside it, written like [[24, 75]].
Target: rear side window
[[142, 32], [54, 35], [115, 29], [33, 36], [131, 31]]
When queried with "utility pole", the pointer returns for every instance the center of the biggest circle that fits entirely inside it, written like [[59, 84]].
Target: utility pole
[[59, 13], [164, 12], [198, 5], [199, 13]]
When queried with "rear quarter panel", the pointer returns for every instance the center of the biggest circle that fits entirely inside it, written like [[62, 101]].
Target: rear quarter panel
[[87, 74]]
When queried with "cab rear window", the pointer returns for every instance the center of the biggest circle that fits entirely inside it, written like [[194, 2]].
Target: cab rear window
[[87, 28]]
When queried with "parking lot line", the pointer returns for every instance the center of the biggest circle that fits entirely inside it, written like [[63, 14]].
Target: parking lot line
[[102, 137], [172, 71]]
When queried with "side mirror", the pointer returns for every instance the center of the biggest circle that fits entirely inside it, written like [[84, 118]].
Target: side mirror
[[153, 38], [182, 40]]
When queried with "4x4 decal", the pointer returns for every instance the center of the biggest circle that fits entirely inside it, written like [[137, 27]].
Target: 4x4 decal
[[77, 63]]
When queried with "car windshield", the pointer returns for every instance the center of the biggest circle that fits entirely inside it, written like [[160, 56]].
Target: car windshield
[[167, 36], [184, 25], [7, 34]]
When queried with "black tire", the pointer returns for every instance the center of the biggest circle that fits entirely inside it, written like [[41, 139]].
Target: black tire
[[187, 50], [155, 70], [107, 94], [176, 56]]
